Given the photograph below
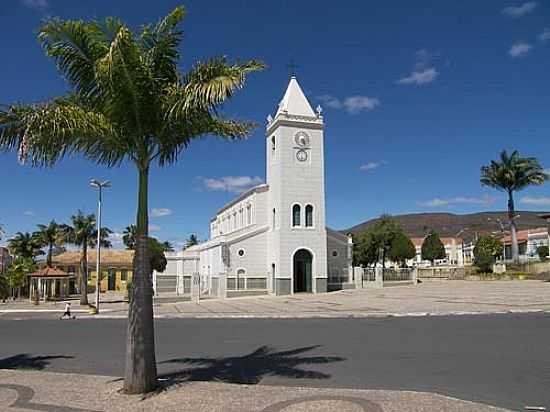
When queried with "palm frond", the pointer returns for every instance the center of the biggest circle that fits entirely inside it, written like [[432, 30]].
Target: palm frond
[[160, 44], [75, 46], [45, 133], [208, 85]]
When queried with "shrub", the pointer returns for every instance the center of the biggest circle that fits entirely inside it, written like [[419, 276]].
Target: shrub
[[542, 251], [484, 261]]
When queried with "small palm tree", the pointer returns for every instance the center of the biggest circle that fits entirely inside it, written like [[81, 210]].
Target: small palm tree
[[83, 233], [509, 174], [25, 245], [128, 102], [192, 241], [50, 236], [129, 237]]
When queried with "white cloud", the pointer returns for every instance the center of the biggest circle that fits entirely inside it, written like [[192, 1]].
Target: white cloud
[[351, 104], [519, 49], [28, 213], [160, 212], [545, 35], [521, 10], [233, 184], [460, 200], [421, 77], [371, 165], [535, 200], [36, 4], [154, 228]]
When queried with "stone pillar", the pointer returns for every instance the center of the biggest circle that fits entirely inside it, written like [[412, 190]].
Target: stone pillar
[[358, 277], [415, 276], [222, 285], [180, 289], [195, 287], [379, 275]]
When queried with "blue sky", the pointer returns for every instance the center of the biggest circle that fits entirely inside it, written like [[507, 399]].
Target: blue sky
[[416, 96]]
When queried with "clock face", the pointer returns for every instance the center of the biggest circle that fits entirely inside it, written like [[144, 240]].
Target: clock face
[[301, 139], [301, 155]]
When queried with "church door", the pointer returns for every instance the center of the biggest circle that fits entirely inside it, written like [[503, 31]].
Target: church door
[[302, 271]]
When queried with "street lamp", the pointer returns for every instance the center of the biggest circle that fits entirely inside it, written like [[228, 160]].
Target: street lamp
[[98, 185]]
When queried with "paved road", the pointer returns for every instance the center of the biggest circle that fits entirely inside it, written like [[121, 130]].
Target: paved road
[[502, 360]]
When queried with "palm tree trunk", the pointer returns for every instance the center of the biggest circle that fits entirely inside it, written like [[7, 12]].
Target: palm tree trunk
[[141, 368], [84, 273], [513, 231], [49, 257]]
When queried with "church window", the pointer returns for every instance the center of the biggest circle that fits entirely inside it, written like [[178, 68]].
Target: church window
[[241, 278], [241, 223], [335, 253], [309, 216], [273, 219], [241, 252], [249, 215], [273, 145], [296, 212]]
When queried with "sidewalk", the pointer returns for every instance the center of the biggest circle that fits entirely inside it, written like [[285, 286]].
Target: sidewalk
[[47, 391], [429, 298]]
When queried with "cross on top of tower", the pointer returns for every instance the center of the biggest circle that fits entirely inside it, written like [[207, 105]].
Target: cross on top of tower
[[292, 66]]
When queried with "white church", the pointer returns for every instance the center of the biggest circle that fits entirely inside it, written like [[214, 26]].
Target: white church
[[271, 239]]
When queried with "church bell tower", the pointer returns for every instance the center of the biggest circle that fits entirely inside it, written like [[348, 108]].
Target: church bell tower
[[297, 245]]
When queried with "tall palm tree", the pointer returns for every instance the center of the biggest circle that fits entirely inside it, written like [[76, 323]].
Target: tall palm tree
[[509, 174], [50, 236], [83, 233], [128, 103], [25, 245]]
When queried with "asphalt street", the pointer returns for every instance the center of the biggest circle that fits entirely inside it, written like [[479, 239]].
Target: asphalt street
[[501, 360]]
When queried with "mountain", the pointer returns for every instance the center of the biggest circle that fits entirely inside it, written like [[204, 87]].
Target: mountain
[[450, 224]]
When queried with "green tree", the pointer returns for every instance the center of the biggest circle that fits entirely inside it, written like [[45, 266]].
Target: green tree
[[127, 102], [542, 252], [375, 243], [402, 248], [83, 233], [50, 236], [432, 248], [491, 245], [25, 245], [365, 249], [509, 174], [17, 273]]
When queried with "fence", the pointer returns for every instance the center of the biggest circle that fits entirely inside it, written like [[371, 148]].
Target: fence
[[445, 272], [397, 275]]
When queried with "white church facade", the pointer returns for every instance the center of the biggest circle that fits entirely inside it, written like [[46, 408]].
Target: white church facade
[[272, 238]]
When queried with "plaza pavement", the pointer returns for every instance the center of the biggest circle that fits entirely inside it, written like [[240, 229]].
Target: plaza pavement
[[61, 392], [428, 298]]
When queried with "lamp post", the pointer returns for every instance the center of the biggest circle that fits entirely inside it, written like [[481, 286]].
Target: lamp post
[[98, 185]]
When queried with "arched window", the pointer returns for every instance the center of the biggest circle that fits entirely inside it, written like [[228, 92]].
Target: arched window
[[309, 216], [241, 274], [296, 211], [249, 215], [273, 145], [273, 219]]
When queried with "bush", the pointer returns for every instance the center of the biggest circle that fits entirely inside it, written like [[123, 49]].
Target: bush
[[542, 251], [484, 261]]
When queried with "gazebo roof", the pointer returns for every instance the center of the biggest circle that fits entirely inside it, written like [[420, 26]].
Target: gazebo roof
[[50, 273]]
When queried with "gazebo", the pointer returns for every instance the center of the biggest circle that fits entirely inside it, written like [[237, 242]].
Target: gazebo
[[49, 282]]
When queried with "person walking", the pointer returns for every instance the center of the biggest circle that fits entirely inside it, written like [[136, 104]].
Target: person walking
[[67, 312]]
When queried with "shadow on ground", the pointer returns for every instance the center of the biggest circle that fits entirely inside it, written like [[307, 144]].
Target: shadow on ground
[[26, 361], [249, 369]]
